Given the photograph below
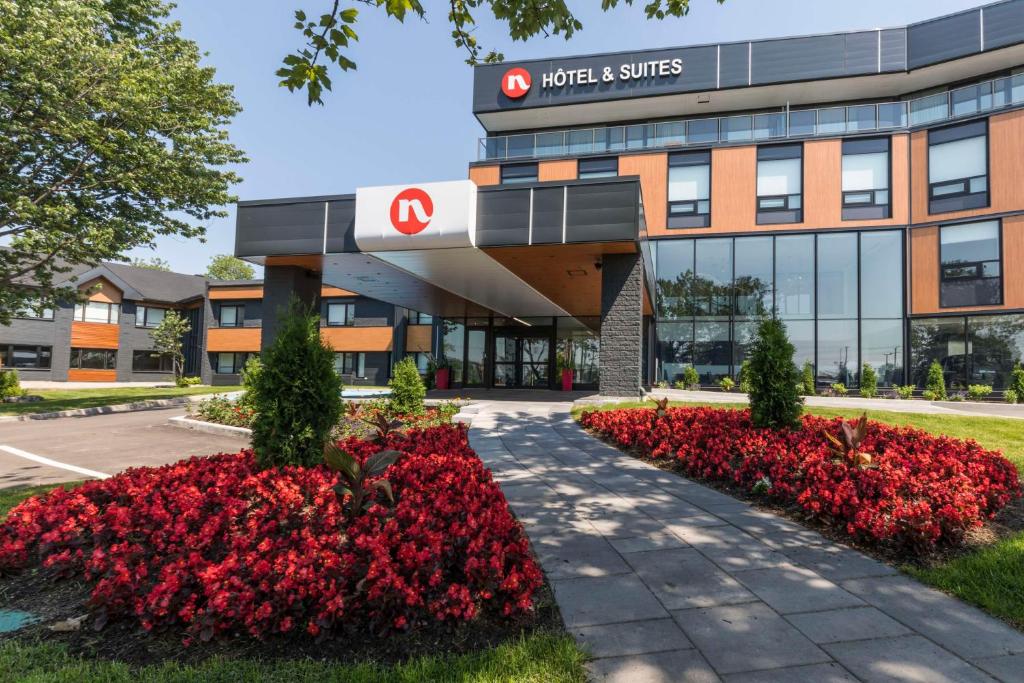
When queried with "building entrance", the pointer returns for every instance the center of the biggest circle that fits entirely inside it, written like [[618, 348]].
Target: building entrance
[[522, 358]]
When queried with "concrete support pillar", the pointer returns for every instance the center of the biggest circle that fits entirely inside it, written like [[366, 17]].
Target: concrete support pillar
[[280, 285], [622, 317]]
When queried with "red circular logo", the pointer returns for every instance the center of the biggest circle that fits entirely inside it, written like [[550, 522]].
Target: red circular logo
[[411, 211], [515, 83]]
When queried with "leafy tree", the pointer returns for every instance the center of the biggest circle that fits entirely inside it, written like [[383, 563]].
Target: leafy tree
[[935, 386], [774, 398], [228, 267], [328, 36], [154, 263], [168, 339], [296, 393], [407, 389], [807, 385], [1017, 381], [868, 381], [111, 133]]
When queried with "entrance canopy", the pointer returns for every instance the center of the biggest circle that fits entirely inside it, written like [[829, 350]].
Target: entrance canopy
[[451, 249]]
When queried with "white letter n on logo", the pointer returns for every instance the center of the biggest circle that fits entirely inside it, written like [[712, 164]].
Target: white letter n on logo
[[516, 83], [416, 206]]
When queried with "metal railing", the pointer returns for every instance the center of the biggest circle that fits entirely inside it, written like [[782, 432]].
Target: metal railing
[[797, 123]]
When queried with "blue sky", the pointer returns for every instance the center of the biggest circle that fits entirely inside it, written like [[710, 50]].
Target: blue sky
[[404, 114]]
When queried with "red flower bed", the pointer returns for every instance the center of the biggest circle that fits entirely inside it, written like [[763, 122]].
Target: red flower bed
[[215, 546], [925, 489]]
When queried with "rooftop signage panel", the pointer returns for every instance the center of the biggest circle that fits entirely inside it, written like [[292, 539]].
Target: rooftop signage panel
[[512, 87]]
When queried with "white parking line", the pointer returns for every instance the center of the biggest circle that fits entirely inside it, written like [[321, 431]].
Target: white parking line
[[53, 463]]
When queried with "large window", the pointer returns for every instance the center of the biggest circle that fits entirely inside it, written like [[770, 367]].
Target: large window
[[97, 312], [689, 190], [93, 359], [34, 310], [25, 356], [779, 184], [958, 167], [971, 265], [977, 349], [601, 167], [421, 359], [512, 174], [151, 361], [865, 179], [230, 362], [341, 314], [232, 315], [149, 316], [350, 363], [417, 318], [840, 295]]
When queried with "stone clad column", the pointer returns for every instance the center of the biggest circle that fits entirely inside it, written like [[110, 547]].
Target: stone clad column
[[280, 284], [622, 316]]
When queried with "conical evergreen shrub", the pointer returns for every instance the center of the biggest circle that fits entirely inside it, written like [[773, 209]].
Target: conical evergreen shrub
[[774, 379]]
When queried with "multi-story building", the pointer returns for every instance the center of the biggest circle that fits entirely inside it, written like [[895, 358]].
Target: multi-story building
[[637, 212]]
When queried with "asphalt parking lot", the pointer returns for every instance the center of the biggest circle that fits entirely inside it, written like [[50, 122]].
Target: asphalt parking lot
[[89, 447]]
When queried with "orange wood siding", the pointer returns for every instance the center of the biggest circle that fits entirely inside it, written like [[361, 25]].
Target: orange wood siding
[[106, 292], [221, 293], [924, 245], [327, 291], [733, 190], [653, 172], [1006, 168], [417, 338], [485, 175], [357, 338], [564, 169], [92, 375], [94, 335], [233, 339]]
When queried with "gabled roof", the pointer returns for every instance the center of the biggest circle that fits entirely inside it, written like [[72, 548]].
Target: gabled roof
[[140, 284]]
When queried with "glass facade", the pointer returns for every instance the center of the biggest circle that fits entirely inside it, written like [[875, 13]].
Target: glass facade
[[840, 295], [980, 349]]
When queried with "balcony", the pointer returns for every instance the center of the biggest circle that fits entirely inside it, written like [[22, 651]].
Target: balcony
[[974, 99]]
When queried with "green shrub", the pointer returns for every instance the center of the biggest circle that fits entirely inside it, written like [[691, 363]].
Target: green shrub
[[905, 391], [807, 386], [10, 386], [1011, 396], [662, 384], [727, 384], [839, 389], [744, 376], [188, 381], [977, 392], [407, 389], [774, 399], [221, 410], [936, 383], [868, 382], [691, 379], [296, 395], [1017, 381]]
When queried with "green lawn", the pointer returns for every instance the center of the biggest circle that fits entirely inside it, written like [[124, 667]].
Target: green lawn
[[538, 658], [68, 399], [992, 576]]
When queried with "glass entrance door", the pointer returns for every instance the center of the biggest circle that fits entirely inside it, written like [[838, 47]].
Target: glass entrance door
[[521, 361]]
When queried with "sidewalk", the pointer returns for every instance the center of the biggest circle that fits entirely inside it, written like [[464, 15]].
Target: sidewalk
[[663, 579]]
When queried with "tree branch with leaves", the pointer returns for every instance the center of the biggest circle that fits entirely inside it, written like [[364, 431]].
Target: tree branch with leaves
[[169, 339]]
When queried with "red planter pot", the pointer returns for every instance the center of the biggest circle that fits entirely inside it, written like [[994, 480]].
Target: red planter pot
[[441, 377], [566, 379]]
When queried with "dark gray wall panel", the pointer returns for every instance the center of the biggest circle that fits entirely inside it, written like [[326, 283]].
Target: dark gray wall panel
[[796, 59], [374, 313], [734, 65], [894, 49], [601, 212], [1004, 24], [946, 38], [502, 217], [341, 227], [547, 215], [269, 229], [622, 316], [861, 53]]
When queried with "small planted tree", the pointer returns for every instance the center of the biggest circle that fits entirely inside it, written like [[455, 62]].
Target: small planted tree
[[935, 387], [407, 389], [807, 380], [691, 380], [868, 381], [774, 399], [1016, 384], [169, 339], [296, 393]]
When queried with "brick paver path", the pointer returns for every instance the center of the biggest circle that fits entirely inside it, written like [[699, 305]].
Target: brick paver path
[[663, 579]]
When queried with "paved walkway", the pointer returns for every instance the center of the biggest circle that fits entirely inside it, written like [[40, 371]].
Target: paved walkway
[[666, 580]]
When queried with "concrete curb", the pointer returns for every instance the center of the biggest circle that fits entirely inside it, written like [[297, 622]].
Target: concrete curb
[[137, 406], [184, 422]]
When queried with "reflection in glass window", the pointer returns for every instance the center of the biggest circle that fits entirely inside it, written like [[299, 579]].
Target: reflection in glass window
[[971, 272], [350, 363], [149, 316], [794, 272], [942, 340], [675, 349], [754, 279], [689, 190], [958, 167], [712, 352], [779, 184], [865, 178], [837, 275], [712, 289], [341, 314], [801, 336], [93, 359], [837, 351], [231, 316], [674, 278], [25, 357], [882, 349], [601, 167], [996, 345], [97, 312], [454, 348], [518, 173], [230, 363], [881, 274]]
